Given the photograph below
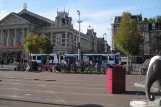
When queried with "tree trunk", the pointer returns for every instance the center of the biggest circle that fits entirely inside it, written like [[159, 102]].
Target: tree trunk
[[128, 66], [31, 66]]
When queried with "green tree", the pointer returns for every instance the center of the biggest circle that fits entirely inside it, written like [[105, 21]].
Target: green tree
[[128, 39], [151, 20], [32, 43], [158, 18], [154, 19], [45, 45], [37, 44]]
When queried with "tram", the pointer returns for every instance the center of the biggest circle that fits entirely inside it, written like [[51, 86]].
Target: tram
[[110, 59]]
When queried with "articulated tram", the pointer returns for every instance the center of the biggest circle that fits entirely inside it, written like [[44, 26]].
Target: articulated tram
[[110, 59]]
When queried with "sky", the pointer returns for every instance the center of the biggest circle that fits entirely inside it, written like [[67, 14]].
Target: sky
[[99, 14]]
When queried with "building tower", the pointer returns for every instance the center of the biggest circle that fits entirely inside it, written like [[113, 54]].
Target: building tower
[[63, 19]]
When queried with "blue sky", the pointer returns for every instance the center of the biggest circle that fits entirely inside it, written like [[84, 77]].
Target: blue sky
[[96, 13]]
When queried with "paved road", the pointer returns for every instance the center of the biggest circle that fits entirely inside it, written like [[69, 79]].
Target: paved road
[[7, 67], [46, 89]]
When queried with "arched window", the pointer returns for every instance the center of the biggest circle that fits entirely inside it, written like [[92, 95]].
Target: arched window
[[153, 26]]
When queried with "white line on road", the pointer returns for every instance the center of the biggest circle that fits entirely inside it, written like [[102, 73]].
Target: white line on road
[[60, 77], [72, 93], [52, 101], [89, 81], [53, 92], [53, 86], [56, 82]]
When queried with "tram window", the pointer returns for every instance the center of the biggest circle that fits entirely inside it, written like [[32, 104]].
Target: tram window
[[34, 58], [51, 57], [38, 57], [61, 58], [90, 58], [118, 58], [104, 57], [58, 57], [111, 58]]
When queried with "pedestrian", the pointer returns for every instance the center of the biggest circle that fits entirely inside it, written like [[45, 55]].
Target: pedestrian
[[1, 63]]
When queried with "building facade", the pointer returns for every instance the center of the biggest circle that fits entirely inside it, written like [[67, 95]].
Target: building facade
[[115, 28], [102, 46], [149, 31], [16, 26]]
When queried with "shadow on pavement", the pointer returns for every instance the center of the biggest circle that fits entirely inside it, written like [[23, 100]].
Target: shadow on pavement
[[35, 79], [66, 105], [90, 105], [39, 102], [139, 93]]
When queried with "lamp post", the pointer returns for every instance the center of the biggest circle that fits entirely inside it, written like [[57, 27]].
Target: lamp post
[[141, 53], [105, 43], [79, 21]]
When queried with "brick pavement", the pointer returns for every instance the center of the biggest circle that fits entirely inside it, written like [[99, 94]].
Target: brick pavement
[[48, 89]]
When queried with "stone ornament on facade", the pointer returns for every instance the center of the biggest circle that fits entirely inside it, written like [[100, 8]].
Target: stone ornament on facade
[[25, 6], [12, 20]]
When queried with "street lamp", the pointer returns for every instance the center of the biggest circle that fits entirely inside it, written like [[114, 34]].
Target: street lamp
[[79, 21], [105, 43], [141, 53]]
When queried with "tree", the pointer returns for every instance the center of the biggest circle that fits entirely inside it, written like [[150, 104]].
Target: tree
[[37, 44], [45, 45], [128, 39], [151, 20], [158, 18], [154, 19], [156, 43], [31, 43]]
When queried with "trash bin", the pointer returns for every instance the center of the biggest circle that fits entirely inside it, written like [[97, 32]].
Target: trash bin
[[115, 79]]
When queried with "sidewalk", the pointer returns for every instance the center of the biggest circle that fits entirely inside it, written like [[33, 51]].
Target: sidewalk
[[9, 67]]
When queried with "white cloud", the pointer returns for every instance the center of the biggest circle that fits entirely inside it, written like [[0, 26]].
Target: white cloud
[[49, 15], [3, 14]]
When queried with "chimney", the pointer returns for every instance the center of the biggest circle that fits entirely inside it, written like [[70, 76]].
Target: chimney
[[145, 20]]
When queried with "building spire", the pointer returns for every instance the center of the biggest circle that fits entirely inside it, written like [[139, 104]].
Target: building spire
[[57, 10], [25, 6], [64, 9]]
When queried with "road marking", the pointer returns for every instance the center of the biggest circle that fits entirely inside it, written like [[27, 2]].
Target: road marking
[[27, 94], [56, 82], [71, 93], [50, 101], [53, 86], [73, 79], [53, 92]]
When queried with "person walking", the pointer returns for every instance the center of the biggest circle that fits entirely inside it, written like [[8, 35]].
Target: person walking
[[1, 63]]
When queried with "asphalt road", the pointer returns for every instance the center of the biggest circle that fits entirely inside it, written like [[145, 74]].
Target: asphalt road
[[46, 89]]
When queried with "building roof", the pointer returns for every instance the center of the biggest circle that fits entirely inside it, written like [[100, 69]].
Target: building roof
[[32, 18], [117, 19], [35, 15], [157, 26], [17, 15]]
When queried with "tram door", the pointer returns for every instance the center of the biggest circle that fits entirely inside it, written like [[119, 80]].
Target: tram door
[[45, 59], [117, 59], [98, 59]]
